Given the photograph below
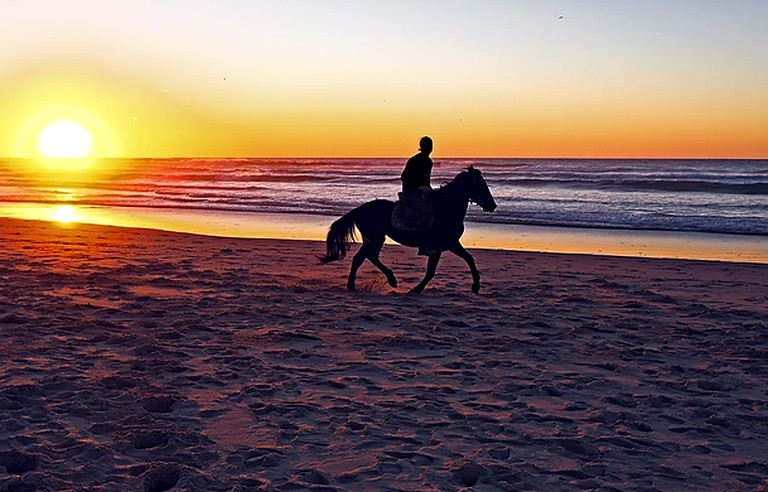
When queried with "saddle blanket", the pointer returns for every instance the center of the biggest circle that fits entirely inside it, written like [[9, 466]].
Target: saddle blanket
[[406, 218]]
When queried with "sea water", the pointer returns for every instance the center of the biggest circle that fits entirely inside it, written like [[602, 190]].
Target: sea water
[[714, 196]]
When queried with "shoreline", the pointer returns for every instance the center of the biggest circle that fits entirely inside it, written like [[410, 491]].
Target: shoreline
[[478, 235], [138, 359]]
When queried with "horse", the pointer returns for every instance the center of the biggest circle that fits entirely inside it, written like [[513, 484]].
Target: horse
[[374, 221]]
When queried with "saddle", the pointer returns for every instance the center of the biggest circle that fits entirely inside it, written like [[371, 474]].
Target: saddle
[[408, 218]]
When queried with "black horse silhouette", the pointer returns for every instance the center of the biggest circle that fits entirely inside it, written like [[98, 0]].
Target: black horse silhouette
[[373, 219]]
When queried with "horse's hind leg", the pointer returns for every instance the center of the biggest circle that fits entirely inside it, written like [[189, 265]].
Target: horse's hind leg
[[373, 256], [369, 251], [462, 253], [357, 261]]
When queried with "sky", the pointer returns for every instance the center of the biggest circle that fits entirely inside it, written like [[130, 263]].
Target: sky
[[505, 78]]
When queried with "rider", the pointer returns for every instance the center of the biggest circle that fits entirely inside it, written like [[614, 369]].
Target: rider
[[416, 189]]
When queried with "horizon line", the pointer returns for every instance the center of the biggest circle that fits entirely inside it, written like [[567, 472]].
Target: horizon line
[[407, 156]]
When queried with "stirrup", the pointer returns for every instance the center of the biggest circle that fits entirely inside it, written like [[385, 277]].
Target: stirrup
[[426, 251]]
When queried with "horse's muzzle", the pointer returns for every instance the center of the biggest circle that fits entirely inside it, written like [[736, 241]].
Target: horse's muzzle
[[489, 208]]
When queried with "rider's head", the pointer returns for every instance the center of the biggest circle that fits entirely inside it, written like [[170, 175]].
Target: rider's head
[[425, 145]]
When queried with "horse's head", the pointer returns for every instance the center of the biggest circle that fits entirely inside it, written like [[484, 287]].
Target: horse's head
[[478, 190]]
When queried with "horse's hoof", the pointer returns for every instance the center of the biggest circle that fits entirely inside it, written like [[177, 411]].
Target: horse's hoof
[[476, 288], [351, 288], [416, 290], [392, 282]]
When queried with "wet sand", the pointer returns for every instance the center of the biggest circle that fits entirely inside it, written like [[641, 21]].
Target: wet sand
[[137, 359], [511, 237]]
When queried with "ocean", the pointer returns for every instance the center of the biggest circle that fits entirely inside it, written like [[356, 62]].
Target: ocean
[[711, 196]]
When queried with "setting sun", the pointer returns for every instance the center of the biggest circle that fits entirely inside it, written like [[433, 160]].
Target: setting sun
[[65, 139], [64, 214]]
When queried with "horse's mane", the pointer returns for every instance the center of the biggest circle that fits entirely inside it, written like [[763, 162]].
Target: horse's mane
[[458, 178]]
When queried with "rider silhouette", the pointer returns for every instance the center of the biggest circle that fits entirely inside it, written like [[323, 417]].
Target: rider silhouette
[[416, 189]]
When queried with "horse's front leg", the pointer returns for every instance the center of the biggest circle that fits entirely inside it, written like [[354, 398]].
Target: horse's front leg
[[431, 269], [462, 253]]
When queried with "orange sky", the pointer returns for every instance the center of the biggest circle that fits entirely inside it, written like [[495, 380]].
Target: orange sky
[[300, 78]]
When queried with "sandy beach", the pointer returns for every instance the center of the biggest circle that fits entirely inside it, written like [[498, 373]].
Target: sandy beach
[[142, 360]]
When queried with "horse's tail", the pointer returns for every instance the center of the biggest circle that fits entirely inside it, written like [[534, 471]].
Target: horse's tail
[[341, 232]]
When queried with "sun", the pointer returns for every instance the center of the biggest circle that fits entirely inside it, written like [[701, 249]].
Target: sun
[[64, 214], [65, 139]]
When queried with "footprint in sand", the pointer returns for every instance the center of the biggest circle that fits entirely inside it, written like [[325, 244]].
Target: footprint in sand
[[159, 404], [149, 439], [162, 478], [469, 474], [17, 463]]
